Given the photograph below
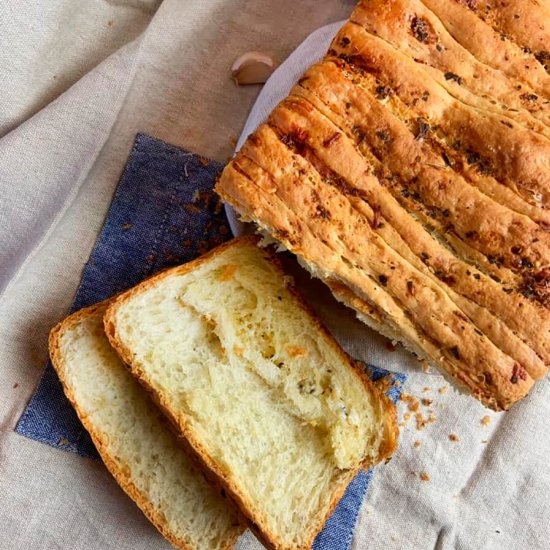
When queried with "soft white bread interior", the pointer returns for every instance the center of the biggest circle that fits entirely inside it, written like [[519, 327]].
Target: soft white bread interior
[[275, 409], [134, 440]]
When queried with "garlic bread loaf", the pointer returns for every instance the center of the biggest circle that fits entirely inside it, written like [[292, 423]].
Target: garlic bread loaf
[[134, 439], [274, 408], [409, 169]]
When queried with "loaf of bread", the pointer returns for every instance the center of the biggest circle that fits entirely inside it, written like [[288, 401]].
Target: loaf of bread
[[134, 440], [410, 170], [276, 411]]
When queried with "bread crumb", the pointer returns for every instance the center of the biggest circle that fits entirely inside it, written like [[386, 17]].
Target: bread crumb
[[426, 389], [406, 418], [192, 208], [424, 476], [417, 444], [426, 402], [413, 402], [126, 226], [397, 383], [454, 437], [425, 366], [484, 440], [383, 384], [414, 405], [63, 441], [486, 420], [16, 385], [420, 422], [204, 161], [110, 23], [443, 389]]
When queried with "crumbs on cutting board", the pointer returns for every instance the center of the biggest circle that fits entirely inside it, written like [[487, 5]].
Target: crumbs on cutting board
[[486, 420], [424, 476], [454, 437]]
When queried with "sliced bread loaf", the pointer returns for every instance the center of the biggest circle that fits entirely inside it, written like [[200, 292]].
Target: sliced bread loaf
[[274, 408], [134, 440]]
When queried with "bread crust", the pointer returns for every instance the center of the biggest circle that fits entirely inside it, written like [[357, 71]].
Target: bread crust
[[525, 23], [121, 477], [511, 152], [402, 149], [416, 31], [214, 469], [453, 200], [487, 45], [475, 296]]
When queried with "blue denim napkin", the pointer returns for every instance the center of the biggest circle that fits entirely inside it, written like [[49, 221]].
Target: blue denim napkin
[[164, 213]]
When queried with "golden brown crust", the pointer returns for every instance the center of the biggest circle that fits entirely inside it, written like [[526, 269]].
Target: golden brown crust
[[463, 287], [452, 201], [526, 23], [513, 154], [216, 471], [416, 31], [407, 149], [120, 475], [488, 45]]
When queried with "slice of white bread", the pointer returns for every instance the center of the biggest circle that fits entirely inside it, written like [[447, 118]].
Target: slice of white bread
[[274, 408], [134, 439]]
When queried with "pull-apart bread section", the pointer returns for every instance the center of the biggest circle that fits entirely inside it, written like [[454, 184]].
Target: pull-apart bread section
[[410, 170], [275, 410], [135, 441]]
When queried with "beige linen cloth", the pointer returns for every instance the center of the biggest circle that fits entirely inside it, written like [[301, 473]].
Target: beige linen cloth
[[78, 79]]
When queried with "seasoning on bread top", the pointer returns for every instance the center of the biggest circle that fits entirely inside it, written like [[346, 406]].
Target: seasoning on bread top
[[411, 174]]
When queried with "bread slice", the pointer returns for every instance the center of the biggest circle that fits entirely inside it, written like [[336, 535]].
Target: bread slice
[[274, 408], [134, 439]]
